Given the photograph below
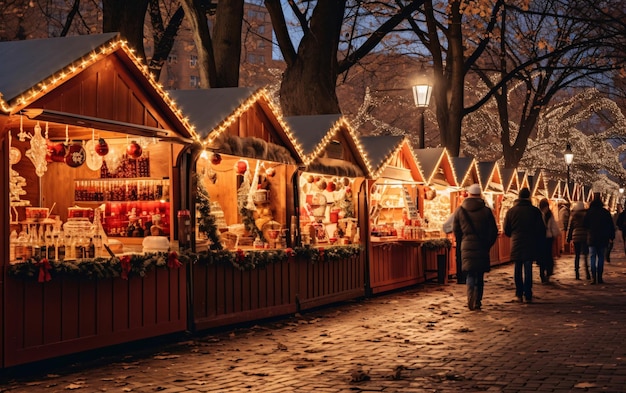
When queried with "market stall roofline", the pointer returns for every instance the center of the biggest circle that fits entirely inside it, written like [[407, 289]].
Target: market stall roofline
[[463, 166], [490, 175], [27, 63], [381, 150], [310, 130], [102, 124], [32, 68], [210, 112], [206, 109], [430, 159], [313, 133]]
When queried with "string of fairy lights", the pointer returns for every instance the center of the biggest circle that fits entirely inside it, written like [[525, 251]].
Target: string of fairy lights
[[117, 44]]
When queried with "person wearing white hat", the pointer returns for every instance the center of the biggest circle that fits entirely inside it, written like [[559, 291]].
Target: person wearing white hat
[[475, 224]]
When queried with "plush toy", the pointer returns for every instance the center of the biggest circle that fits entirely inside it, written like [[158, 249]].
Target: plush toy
[[262, 216]]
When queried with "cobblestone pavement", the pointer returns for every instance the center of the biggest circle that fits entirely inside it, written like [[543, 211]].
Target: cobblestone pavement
[[571, 339]]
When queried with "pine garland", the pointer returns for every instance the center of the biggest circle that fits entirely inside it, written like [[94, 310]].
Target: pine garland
[[436, 243], [206, 220], [250, 260], [94, 269]]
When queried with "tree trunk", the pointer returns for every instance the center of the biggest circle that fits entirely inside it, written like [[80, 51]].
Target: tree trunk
[[451, 135], [126, 17], [201, 37], [309, 82], [164, 40], [227, 42]]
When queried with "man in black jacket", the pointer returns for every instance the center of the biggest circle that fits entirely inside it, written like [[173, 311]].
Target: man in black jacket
[[600, 231], [523, 223], [476, 226]]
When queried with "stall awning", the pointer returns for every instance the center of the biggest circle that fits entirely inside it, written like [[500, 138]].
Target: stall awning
[[102, 124]]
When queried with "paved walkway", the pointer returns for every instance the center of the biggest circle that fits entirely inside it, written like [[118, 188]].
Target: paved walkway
[[571, 339]]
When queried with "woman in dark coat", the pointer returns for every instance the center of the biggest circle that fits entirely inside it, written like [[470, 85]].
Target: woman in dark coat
[[475, 224]]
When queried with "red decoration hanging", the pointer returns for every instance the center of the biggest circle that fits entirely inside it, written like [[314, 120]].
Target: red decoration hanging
[[241, 167], [134, 150], [76, 156], [102, 148], [56, 152], [216, 159]]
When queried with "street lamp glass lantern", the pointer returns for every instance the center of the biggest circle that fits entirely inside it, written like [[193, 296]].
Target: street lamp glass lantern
[[568, 155], [422, 89]]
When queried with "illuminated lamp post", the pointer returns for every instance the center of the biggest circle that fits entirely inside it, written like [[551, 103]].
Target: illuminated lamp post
[[569, 158], [422, 89]]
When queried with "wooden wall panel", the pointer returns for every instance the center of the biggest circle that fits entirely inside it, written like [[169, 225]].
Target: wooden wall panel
[[121, 311], [241, 296], [122, 100], [395, 266], [71, 292], [70, 315]]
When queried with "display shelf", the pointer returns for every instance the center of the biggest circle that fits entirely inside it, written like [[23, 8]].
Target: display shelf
[[121, 190]]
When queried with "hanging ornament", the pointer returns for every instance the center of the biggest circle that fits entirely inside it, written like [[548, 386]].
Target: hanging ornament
[[15, 155], [270, 172], [94, 161], [241, 167], [76, 155], [56, 152], [102, 147], [330, 187], [216, 159], [134, 150], [212, 175], [37, 152]]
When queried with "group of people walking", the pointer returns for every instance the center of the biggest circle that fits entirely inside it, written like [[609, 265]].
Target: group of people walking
[[533, 231]]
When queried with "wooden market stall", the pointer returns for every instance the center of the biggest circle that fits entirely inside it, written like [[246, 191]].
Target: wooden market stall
[[244, 161], [331, 211], [493, 192], [540, 188], [88, 261], [400, 243], [439, 197]]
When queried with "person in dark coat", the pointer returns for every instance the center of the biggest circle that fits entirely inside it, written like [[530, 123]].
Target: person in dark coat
[[577, 234], [475, 224], [523, 223], [621, 225], [600, 231]]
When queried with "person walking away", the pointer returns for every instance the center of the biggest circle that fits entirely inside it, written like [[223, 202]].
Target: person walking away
[[564, 213], [523, 223], [609, 247], [448, 228], [600, 230], [475, 224], [546, 260], [577, 234], [621, 225]]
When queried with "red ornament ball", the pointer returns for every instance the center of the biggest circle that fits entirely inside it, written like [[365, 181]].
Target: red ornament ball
[[216, 159], [102, 148], [134, 150], [331, 186], [56, 152], [241, 167]]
